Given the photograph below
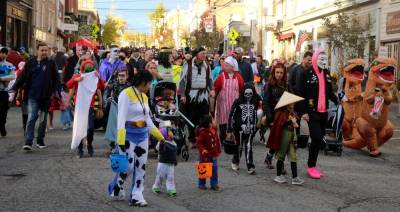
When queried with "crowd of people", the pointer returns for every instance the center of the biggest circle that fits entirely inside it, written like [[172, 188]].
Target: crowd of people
[[227, 96]]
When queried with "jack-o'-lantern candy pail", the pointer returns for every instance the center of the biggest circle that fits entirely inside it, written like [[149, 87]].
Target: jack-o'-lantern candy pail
[[204, 170], [119, 163]]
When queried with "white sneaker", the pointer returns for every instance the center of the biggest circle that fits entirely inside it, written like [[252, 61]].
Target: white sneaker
[[235, 167], [142, 204], [251, 171], [280, 179], [297, 181]]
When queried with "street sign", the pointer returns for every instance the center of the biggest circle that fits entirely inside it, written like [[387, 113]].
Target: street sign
[[233, 34]]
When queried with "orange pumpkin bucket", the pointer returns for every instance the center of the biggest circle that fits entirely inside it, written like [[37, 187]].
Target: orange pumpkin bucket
[[204, 170]]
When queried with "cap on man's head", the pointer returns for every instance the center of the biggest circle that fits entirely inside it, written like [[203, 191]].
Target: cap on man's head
[[239, 50]]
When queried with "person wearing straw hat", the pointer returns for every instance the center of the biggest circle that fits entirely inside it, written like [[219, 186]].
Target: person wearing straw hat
[[315, 86], [283, 136]]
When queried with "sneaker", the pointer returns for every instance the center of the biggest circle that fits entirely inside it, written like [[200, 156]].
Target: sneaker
[[80, 154], [215, 188], [313, 173], [90, 151], [280, 179], [297, 181], [172, 193], [156, 190], [41, 145], [320, 173], [235, 167], [202, 187], [136, 203], [66, 127], [251, 171], [27, 147]]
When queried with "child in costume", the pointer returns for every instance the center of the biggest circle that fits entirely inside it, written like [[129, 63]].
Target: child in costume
[[283, 138], [86, 67], [242, 123], [134, 126], [115, 89], [65, 109], [209, 147], [166, 162]]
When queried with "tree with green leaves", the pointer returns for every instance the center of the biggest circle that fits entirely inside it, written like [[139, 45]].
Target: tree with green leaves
[[113, 29], [89, 31], [159, 30], [346, 35]]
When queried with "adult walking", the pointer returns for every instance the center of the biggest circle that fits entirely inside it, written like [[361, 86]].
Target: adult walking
[[314, 85], [7, 73], [277, 84], [109, 66], [195, 88], [134, 126], [244, 67], [228, 87], [40, 80], [70, 66], [299, 69]]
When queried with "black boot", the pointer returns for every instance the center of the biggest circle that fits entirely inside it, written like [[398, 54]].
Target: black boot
[[80, 150], [3, 131]]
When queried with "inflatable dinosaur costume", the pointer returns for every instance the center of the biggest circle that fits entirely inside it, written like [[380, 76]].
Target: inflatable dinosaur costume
[[352, 101], [373, 128]]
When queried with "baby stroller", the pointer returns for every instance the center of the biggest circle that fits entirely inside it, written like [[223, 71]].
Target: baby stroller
[[333, 134], [165, 114]]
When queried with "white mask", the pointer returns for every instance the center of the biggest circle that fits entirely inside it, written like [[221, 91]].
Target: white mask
[[114, 54], [248, 94], [322, 61]]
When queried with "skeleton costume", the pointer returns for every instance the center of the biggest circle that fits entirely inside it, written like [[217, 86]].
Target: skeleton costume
[[134, 125], [242, 122]]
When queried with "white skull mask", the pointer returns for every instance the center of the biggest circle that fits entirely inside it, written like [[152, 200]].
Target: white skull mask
[[248, 94], [322, 61], [114, 54]]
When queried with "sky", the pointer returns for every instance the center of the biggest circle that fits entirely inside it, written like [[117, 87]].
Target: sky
[[135, 11]]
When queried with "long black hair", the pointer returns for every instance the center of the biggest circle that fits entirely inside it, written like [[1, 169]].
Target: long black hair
[[163, 59], [143, 76]]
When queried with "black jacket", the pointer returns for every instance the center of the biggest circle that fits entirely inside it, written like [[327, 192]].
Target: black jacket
[[246, 71], [167, 153], [292, 74], [70, 68], [307, 87], [272, 94], [51, 80]]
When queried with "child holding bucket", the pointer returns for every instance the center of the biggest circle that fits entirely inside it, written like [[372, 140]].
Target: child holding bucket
[[209, 147], [167, 150], [283, 139]]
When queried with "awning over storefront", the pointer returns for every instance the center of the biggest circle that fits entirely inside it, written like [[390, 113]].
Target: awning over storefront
[[285, 36], [84, 42]]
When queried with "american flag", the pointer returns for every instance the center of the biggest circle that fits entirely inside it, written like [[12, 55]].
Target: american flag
[[303, 36]]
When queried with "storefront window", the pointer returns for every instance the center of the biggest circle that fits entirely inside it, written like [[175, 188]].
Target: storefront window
[[9, 31]]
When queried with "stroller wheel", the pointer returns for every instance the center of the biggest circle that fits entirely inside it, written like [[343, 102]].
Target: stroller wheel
[[339, 153], [185, 153]]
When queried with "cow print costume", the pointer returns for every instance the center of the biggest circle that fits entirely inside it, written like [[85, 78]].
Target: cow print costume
[[132, 140], [242, 122]]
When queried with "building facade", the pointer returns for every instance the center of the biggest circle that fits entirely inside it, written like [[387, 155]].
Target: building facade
[[15, 23], [45, 23], [390, 28]]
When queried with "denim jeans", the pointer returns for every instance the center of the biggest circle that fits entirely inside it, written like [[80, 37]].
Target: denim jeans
[[36, 109], [214, 178]]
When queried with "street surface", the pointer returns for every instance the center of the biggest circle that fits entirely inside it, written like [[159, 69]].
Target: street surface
[[53, 179]]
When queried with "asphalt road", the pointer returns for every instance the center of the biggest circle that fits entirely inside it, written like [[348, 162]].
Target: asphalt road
[[53, 179]]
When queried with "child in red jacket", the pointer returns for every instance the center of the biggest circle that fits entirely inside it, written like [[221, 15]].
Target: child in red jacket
[[207, 143]]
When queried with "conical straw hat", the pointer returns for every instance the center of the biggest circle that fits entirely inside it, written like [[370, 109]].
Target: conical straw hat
[[287, 99]]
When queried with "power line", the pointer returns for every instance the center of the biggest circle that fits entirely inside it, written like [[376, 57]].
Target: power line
[[127, 9]]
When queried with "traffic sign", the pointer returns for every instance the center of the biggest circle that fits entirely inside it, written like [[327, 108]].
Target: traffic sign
[[233, 34]]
